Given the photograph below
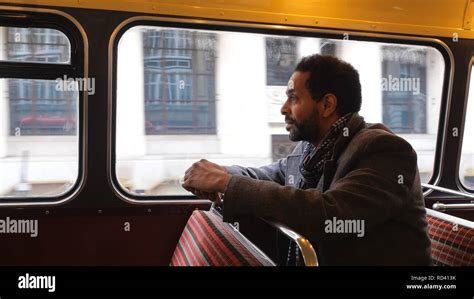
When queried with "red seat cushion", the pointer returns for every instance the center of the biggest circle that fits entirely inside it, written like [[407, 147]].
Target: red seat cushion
[[207, 241], [452, 244]]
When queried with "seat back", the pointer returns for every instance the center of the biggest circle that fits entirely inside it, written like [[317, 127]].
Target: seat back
[[452, 239], [208, 241]]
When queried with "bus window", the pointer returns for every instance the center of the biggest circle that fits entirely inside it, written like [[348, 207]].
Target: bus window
[[466, 167], [187, 94], [38, 117]]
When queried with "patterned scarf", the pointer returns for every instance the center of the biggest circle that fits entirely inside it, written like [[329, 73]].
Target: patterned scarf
[[313, 158]]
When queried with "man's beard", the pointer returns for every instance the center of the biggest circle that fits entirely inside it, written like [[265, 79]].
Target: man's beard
[[306, 130]]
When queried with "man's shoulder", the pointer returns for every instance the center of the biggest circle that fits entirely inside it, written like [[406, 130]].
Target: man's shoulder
[[376, 137]]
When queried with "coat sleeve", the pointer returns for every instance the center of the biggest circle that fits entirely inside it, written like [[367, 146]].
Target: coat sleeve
[[274, 172], [377, 187]]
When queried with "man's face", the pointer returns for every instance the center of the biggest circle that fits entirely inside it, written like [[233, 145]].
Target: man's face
[[301, 113]]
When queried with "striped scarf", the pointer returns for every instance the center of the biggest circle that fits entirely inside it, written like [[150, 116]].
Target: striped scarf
[[313, 158]]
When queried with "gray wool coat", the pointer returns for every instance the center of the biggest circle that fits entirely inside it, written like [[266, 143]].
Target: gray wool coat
[[375, 179]]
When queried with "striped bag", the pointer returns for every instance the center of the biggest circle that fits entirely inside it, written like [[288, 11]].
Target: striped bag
[[208, 241]]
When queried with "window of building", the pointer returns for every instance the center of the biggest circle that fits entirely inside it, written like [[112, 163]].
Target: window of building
[[39, 107], [328, 47], [466, 167], [281, 56], [232, 85], [178, 64], [404, 89]]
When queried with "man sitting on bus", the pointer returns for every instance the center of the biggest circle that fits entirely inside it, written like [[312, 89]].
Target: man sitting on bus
[[351, 188]]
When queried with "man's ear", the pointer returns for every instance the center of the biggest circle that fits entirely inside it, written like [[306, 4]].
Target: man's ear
[[329, 104]]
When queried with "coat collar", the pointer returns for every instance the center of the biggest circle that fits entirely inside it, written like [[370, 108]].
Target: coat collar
[[354, 125]]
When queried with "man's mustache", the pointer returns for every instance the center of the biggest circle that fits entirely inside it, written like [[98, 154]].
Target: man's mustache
[[289, 120]]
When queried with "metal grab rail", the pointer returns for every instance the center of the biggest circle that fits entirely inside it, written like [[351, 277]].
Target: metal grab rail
[[454, 206], [444, 207], [310, 257]]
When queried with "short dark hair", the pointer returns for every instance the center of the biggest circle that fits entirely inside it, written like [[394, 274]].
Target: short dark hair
[[328, 74]]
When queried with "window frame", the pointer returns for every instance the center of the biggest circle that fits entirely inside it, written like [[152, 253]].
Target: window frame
[[459, 181], [268, 29], [77, 67]]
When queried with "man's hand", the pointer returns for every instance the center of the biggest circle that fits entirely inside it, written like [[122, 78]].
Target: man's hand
[[206, 180]]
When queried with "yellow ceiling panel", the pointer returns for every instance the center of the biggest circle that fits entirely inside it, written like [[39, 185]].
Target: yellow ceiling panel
[[415, 17]]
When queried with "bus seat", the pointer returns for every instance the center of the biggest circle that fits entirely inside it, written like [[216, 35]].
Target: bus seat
[[208, 241], [452, 239]]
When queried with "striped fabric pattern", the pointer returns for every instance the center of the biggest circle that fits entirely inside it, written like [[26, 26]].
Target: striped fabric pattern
[[451, 244], [207, 241]]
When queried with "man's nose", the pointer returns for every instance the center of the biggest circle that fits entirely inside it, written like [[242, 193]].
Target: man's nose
[[284, 108]]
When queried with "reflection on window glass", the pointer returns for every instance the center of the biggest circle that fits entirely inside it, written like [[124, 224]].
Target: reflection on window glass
[[36, 45], [466, 167], [186, 94], [34, 160]]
